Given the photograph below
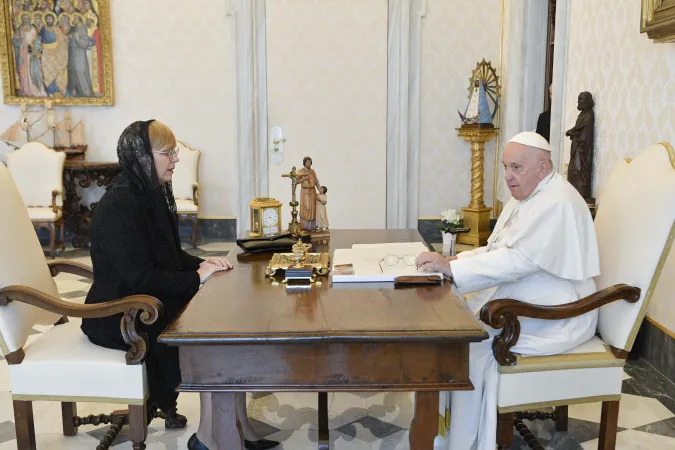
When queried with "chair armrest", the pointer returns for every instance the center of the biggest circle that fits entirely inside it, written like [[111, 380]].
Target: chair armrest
[[67, 266], [195, 193], [504, 314], [149, 308]]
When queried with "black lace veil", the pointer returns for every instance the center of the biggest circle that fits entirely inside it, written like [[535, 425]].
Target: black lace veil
[[135, 156]]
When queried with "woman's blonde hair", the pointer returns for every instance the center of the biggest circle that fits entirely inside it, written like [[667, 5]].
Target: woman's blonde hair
[[161, 136]]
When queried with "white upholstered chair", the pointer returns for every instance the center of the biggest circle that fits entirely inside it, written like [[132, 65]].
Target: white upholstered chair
[[62, 365], [186, 186], [631, 259], [38, 173]]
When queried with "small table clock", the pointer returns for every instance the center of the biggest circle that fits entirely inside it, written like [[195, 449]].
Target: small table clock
[[265, 216]]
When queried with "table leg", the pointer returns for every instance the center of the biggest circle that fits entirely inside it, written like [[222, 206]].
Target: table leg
[[324, 435], [424, 427], [225, 426]]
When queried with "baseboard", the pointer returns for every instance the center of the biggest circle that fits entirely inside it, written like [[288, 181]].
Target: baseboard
[[657, 348], [207, 229]]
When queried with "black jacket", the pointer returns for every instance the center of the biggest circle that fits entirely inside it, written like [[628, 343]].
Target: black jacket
[[135, 249]]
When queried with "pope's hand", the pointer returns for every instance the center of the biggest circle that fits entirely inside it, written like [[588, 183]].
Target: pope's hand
[[433, 262], [220, 262]]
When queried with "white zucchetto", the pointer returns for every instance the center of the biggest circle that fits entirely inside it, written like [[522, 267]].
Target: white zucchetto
[[531, 139]]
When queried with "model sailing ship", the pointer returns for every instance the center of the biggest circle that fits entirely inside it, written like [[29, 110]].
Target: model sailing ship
[[65, 136]]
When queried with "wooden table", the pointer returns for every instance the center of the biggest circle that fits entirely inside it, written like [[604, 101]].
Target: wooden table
[[246, 332]]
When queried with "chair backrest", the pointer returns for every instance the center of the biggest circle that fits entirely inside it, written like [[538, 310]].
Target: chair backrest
[[185, 173], [37, 171], [22, 262], [635, 225]]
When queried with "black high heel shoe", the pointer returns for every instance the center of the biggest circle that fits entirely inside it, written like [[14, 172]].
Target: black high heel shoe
[[261, 444], [195, 444]]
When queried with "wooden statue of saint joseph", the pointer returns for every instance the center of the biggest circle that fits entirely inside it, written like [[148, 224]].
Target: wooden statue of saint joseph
[[310, 185]]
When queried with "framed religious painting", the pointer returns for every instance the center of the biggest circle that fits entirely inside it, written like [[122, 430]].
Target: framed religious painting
[[59, 50], [657, 19]]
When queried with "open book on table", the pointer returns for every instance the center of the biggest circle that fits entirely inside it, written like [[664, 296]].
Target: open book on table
[[379, 262]]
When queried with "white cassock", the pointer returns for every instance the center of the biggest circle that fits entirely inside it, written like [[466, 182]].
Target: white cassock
[[543, 251]]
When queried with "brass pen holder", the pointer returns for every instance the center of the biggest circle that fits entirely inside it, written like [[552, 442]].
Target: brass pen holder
[[299, 265]]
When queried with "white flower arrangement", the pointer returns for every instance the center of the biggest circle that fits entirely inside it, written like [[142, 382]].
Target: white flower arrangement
[[450, 220]]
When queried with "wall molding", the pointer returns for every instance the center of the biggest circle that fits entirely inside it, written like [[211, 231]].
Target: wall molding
[[403, 111], [558, 102], [251, 91]]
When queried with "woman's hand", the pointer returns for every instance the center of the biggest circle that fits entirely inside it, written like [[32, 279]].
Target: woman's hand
[[433, 262], [206, 269], [220, 262]]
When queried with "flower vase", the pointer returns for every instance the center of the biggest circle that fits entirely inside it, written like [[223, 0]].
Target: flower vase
[[449, 240]]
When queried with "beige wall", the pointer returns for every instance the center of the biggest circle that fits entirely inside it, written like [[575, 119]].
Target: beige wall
[[631, 80], [173, 62], [455, 36]]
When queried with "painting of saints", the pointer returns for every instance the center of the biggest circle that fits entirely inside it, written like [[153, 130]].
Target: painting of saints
[[23, 40], [94, 54], [79, 75], [59, 49], [54, 57], [37, 21], [43, 5]]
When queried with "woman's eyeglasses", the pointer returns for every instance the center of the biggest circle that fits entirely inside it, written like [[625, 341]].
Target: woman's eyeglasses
[[393, 260], [169, 153]]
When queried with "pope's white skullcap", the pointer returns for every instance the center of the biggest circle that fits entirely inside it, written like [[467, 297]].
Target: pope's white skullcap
[[531, 139]]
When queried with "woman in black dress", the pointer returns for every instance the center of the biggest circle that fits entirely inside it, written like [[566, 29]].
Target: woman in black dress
[[135, 249]]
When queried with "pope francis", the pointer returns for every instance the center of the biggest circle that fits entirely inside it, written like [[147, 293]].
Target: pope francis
[[543, 251]]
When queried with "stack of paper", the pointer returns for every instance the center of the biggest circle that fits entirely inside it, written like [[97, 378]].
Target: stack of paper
[[368, 265]]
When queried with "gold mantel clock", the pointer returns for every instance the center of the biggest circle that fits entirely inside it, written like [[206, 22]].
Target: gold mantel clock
[[265, 216]]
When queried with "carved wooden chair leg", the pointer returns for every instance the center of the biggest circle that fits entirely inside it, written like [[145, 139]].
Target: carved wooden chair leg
[[504, 431], [52, 240], [561, 418], [138, 425], [194, 230], [608, 425], [68, 413], [119, 419], [25, 426]]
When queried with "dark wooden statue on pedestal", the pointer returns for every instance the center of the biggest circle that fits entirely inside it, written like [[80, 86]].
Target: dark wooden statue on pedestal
[[580, 169]]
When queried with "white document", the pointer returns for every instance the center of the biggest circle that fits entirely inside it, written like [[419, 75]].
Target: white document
[[368, 264]]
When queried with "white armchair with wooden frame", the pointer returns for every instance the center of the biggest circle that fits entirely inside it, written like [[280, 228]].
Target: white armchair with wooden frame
[[635, 225], [37, 171], [186, 186], [62, 364]]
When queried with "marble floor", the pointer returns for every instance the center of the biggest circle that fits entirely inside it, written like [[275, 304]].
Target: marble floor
[[357, 421]]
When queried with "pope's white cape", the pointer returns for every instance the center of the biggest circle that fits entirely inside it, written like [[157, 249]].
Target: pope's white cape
[[554, 230]]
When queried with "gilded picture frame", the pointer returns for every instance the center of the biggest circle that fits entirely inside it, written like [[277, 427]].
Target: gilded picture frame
[[658, 20], [60, 50]]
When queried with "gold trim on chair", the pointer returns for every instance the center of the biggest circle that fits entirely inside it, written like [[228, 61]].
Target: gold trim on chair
[[563, 361], [74, 399], [553, 403]]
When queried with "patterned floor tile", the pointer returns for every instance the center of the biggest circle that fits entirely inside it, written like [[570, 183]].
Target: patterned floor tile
[[7, 431], [634, 411], [369, 429], [636, 440], [397, 408], [662, 427], [99, 433]]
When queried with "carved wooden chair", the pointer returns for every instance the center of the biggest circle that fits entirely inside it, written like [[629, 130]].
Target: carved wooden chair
[[38, 173], [62, 365], [186, 186], [634, 254]]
